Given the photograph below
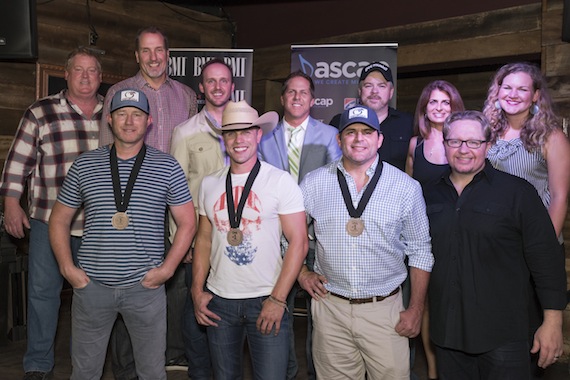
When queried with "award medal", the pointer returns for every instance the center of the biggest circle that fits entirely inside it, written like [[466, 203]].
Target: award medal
[[121, 220], [235, 235], [355, 225]]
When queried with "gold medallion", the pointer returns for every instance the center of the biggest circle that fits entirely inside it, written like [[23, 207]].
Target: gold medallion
[[355, 227], [235, 236], [120, 220]]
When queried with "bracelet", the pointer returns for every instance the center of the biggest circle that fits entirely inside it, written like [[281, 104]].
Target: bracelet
[[283, 304]]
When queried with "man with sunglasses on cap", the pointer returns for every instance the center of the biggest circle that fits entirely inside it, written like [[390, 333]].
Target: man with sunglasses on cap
[[125, 189], [375, 90], [368, 217], [240, 279]]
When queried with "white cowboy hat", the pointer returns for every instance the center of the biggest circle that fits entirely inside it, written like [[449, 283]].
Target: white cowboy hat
[[240, 115]]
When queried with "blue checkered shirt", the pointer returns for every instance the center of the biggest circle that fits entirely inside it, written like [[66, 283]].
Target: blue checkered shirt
[[396, 227]]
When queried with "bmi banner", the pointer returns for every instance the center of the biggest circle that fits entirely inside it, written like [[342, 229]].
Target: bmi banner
[[335, 70], [185, 66]]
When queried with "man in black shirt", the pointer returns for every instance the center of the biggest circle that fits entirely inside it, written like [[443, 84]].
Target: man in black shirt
[[490, 233], [375, 90]]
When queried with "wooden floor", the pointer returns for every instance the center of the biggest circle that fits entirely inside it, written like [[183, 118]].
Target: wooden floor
[[12, 353]]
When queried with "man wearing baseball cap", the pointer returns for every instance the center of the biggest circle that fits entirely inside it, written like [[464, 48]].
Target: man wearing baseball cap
[[240, 281], [125, 188], [375, 90], [368, 217]]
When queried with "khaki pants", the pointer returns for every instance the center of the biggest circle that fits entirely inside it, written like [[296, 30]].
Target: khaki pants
[[352, 340]]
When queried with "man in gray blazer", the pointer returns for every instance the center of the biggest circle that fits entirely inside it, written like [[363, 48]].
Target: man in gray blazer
[[299, 144], [316, 142]]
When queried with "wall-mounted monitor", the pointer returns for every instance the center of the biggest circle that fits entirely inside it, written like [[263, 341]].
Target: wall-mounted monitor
[[18, 30]]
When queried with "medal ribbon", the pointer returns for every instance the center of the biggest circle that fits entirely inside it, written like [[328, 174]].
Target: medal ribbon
[[235, 216], [357, 213], [122, 202]]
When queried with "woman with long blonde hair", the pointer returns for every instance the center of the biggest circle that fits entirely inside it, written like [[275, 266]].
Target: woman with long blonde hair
[[528, 141]]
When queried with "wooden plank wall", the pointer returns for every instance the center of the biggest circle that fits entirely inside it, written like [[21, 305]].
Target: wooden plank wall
[[63, 25], [467, 42]]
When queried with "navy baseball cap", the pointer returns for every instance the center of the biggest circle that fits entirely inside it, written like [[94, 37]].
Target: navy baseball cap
[[130, 98], [359, 114], [381, 67]]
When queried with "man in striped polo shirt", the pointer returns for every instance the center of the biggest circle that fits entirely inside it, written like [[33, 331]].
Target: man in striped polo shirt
[[121, 265]]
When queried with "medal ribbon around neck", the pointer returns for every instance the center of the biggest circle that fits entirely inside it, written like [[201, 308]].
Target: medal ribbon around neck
[[122, 201], [357, 213], [235, 215]]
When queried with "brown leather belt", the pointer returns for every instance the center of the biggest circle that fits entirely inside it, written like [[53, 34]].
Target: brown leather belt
[[357, 301]]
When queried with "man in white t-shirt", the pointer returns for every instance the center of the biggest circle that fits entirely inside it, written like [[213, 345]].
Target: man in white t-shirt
[[238, 251]]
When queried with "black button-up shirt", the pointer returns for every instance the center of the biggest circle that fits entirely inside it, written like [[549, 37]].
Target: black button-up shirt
[[397, 129], [487, 242]]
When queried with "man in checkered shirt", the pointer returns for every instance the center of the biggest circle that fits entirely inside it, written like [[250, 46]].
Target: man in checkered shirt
[[52, 133], [368, 218]]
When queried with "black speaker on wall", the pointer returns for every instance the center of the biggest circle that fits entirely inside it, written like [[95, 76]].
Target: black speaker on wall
[[18, 30], [566, 21]]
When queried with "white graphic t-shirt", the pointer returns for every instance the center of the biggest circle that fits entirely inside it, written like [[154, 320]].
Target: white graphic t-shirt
[[251, 268]]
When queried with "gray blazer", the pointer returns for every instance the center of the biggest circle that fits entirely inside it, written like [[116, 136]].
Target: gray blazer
[[319, 147]]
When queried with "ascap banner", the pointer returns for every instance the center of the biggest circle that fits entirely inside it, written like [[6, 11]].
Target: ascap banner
[[185, 66], [335, 70]]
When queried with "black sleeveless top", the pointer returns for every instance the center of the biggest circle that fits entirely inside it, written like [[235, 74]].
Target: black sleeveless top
[[425, 171]]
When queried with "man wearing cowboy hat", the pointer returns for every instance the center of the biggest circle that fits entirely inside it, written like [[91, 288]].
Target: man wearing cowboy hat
[[198, 147], [240, 280]]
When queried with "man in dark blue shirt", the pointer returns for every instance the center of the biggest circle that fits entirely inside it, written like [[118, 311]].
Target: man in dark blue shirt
[[490, 234], [375, 90]]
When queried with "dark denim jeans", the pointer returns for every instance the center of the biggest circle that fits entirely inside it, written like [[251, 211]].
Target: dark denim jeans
[[292, 366], [44, 292], [269, 353], [195, 338]]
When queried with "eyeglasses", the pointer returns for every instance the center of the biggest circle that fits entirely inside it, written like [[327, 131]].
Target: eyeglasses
[[472, 144]]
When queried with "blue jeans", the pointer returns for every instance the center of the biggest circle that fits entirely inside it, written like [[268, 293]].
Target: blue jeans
[[269, 353], [44, 291], [94, 310], [292, 366], [195, 338], [507, 362]]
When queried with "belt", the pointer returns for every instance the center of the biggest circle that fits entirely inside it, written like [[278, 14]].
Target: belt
[[357, 301]]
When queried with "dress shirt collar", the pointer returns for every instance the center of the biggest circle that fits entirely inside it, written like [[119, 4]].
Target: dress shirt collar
[[141, 82], [369, 172], [303, 125], [487, 173]]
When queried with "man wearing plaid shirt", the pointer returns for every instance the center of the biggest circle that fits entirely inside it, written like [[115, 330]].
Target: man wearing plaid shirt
[[368, 217], [52, 133]]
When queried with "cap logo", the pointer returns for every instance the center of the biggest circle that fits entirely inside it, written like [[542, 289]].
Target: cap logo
[[357, 112], [130, 95]]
